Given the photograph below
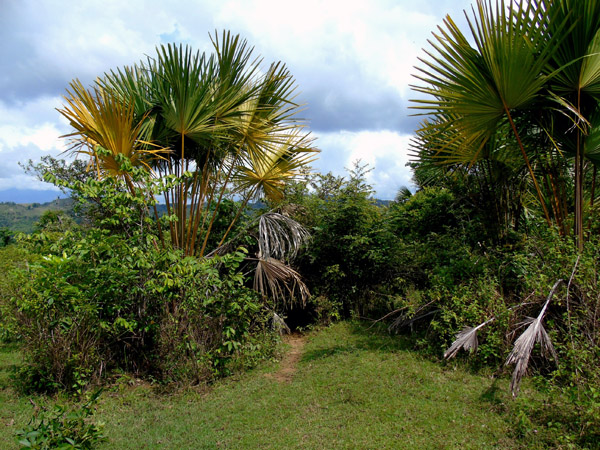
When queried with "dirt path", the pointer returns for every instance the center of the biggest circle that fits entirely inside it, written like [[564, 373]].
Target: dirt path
[[290, 360]]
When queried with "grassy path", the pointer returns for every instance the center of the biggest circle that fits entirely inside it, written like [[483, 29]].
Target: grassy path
[[289, 363], [346, 388]]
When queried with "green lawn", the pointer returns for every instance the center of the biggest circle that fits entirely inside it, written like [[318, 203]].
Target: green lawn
[[352, 389]]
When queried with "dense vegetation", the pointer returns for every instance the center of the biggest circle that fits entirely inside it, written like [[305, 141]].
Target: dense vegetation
[[495, 253]]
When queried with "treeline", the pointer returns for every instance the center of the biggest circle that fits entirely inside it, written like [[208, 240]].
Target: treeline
[[21, 218]]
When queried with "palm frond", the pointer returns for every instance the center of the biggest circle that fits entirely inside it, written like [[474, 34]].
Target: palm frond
[[279, 281], [105, 128], [523, 347], [280, 236], [269, 173], [403, 194], [466, 339]]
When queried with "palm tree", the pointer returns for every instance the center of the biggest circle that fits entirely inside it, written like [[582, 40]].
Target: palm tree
[[216, 124], [527, 72], [575, 65], [495, 184], [477, 89]]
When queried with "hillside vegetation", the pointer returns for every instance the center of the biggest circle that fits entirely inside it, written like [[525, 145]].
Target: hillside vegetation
[[490, 266], [22, 217]]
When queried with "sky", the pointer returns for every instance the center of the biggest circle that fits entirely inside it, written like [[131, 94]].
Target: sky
[[353, 62]]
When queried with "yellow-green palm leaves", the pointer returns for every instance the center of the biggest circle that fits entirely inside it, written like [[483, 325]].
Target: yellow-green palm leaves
[[105, 128], [219, 121], [268, 172]]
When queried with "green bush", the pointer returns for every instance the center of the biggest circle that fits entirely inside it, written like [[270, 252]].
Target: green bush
[[108, 296], [63, 428], [209, 317], [12, 258], [347, 257]]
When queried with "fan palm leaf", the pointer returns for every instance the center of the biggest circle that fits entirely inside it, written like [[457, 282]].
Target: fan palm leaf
[[477, 88], [280, 236], [466, 339], [270, 172], [279, 281], [105, 128]]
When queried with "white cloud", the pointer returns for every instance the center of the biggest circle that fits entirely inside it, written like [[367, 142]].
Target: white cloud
[[352, 60], [44, 137], [25, 182], [28, 130], [386, 152]]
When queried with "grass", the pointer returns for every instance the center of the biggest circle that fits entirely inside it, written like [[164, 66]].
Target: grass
[[352, 389]]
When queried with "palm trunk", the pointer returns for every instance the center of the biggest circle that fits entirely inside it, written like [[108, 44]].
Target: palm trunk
[[579, 185], [593, 193], [537, 187]]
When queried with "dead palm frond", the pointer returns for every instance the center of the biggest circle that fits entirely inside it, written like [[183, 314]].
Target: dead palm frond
[[523, 347], [280, 236], [279, 281], [466, 339]]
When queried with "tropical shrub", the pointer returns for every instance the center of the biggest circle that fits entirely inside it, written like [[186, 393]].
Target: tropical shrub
[[345, 260], [110, 296], [12, 258]]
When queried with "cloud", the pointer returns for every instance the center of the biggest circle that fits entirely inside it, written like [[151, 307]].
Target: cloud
[[352, 62], [28, 130], [351, 104], [51, 44], [385, 152]]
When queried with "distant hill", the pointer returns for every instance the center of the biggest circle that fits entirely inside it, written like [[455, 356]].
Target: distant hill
[[382, 203], [22, 217]]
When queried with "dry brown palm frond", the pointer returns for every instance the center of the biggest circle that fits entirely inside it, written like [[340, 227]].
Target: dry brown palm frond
[[280, 236], [466, 339], [279, 280], [523, 347]]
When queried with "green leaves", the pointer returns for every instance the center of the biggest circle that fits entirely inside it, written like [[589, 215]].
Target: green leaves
[[218, 117], [528, 69], [63, 428], [474, 87]]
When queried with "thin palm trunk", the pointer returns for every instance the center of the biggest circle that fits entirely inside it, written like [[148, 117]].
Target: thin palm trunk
[[593, 192], [214, 214], [526, 158], [579, 183], [237, 216], [201, 212]]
